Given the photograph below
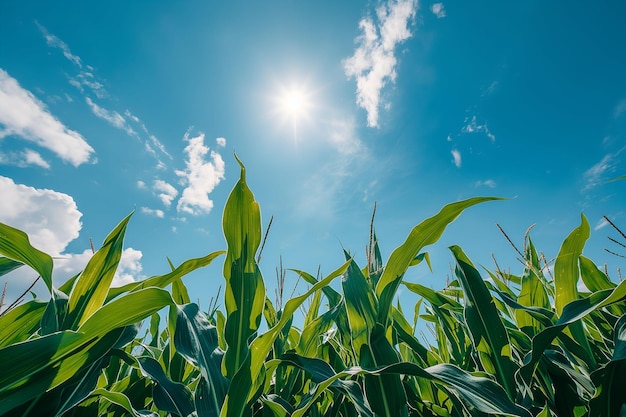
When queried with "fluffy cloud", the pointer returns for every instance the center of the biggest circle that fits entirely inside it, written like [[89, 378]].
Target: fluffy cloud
[[129, 268], [438, 10], [456, 158], [23, 115], [200, 177], [373, 63], [220, 142], [165, 191], [50, 218]]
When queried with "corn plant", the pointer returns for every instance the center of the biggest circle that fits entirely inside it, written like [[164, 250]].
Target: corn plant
[[531, 344]]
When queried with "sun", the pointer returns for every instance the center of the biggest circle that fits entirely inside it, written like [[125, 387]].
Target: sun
[[294, 103]]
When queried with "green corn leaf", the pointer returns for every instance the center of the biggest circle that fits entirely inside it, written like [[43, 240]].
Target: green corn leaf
[[609, 397], [245, 291], [7, 265], [243, 385], [14, 244], [168, 395], [91, 287], [162, 281], [478, 393], [21, 322], [42, 364], [593, 278], [566, 275], [483, 320], [572, 312], [121, 400], [196, 340], [126, 310], [425, 233], [361, 305], [385, 393]]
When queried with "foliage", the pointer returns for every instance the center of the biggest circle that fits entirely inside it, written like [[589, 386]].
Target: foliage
[[515, 345]]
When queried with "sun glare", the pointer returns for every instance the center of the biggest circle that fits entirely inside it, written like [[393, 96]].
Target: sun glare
[[294, 103]]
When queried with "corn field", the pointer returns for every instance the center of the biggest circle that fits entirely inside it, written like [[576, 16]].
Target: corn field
[[525, 345]]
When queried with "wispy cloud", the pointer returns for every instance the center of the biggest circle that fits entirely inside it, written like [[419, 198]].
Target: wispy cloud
[[23, 159], [165, 191], [200, 176], [343, 136], [438, 10], [55, 42], [620, 109], [485, 183], [596, 174], [87, 83], [373, 63], [601, 224], [472, 126], [456, 158], [23, 115]]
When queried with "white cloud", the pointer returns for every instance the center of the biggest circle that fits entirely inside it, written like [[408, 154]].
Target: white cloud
[[141, 185], [55, 42], [129, 268], [220, 142], [50, 218], [438, 10], [373, 63], [34, 158], [153, 212], [486, 183], [112, 117], [23, 159], [200, 177], [23, 115], [166, 192], [472, 126], [456, 158]]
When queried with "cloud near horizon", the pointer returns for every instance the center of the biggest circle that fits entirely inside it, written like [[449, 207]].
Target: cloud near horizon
[[25, 116], [373, 63]]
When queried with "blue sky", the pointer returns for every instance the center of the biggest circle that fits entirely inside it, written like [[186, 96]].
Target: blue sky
[[115, 107]]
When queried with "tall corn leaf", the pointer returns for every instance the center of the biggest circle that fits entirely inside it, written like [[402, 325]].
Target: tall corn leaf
[[196, 340], [245, 290], [483, 320], [566, 275], [425, 233], [533, 292], [361, 305], [385, 393], [15, 245], [91, 287], [248, 380]]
